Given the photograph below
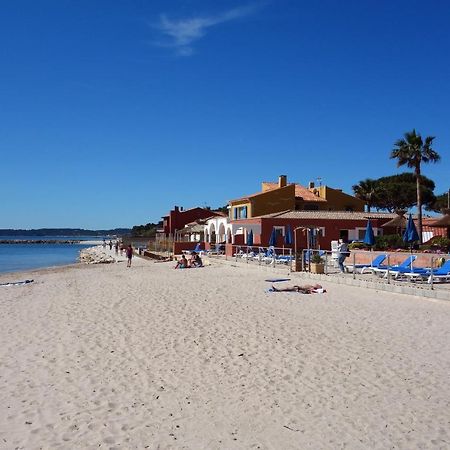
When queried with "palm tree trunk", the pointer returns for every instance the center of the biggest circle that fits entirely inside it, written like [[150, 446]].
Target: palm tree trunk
[[419, 204]]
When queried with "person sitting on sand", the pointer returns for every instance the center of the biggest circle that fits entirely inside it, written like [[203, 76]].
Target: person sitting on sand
[[196, 261], [306, 289], [182, 263]]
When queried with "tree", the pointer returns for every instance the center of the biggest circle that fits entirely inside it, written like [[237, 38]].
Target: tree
[[399, 192], [395, 192], [441, 202], [366, 191], [223, 209], [147, 230], [413, 151]]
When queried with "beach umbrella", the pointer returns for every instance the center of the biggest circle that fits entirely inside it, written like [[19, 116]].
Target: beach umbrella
[[369, 237], [273, 238], [288, 236], [410, 235], [250, 238]]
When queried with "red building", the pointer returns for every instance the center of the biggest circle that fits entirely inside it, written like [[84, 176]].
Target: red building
[[328, 225], [179, 218]]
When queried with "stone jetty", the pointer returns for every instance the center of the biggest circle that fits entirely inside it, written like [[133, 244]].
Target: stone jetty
[[37, 241], [95, 255]]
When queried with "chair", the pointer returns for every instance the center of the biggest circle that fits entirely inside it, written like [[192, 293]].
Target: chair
[[197, 249], [284, 259], [217, 250], [270, 255], [383, 270], [250, 254], [376, 263], [440, 274]]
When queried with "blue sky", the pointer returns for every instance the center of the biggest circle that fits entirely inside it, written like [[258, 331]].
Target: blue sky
[[112, 112]]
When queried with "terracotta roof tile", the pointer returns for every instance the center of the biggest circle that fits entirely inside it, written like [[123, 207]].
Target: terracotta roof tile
[[248, 197], [300, 191], [329, 215]]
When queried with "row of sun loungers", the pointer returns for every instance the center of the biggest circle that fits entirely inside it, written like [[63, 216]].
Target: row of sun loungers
[[269, 256], [261, 255], [405, 270]]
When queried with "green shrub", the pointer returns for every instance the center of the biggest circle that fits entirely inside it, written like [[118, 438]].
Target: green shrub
[[357, 245], [441, 242], [393, 241], [316, 259]]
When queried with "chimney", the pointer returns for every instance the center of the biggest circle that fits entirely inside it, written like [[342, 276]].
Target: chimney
[[181, 208], [282, 181], [311, 185], [176, 208]]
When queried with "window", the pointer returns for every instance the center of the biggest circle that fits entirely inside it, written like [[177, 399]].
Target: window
[[240, 212], [279, 231]]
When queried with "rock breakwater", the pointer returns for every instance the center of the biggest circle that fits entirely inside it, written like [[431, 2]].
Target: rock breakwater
[[95, 255], [37, 241]]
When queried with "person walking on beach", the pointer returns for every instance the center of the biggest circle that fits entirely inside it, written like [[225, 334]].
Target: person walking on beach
[[129, 255], [343, 252]]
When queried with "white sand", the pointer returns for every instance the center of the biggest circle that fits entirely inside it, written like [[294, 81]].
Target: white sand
[[150, 357]]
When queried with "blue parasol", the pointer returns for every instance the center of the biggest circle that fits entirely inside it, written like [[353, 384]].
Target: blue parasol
[[369, 237], [273, 238], [250, 238], [288, 236], [410, 235]]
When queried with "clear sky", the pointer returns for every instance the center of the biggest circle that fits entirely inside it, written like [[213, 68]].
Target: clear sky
[[112, 112]]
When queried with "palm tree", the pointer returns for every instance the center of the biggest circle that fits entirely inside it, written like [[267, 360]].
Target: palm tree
[[366, 191], [413, 151]]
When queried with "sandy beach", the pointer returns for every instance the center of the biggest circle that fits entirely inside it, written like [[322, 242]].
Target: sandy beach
[[101, 356]]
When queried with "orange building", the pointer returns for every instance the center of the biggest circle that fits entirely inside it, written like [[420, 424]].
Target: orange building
[[284, 196]]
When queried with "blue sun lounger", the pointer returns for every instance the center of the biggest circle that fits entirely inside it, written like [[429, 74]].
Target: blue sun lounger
[[376, 263], [406, 264], [440, 274]]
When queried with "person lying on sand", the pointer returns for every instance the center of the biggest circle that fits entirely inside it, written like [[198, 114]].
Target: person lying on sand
[[306, 289]]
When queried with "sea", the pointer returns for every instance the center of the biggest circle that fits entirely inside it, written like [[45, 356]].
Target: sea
[[22, 257]]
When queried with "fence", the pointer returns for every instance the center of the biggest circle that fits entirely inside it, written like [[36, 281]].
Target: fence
[[430, 270], [427, 270], [157, 247], [279, 257]]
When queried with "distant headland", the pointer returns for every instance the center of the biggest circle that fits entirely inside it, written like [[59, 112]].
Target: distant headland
[[64, 232]]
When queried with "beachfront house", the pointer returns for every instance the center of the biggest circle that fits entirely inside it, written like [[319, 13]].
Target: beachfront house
[[178, 218], [247, 213], [327, 226], [284, 196]]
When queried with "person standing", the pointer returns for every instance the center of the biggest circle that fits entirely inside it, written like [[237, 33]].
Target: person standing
[[343, 252], [129, 253]]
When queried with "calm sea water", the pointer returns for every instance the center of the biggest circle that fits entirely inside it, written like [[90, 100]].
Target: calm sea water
[[21, 257]]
